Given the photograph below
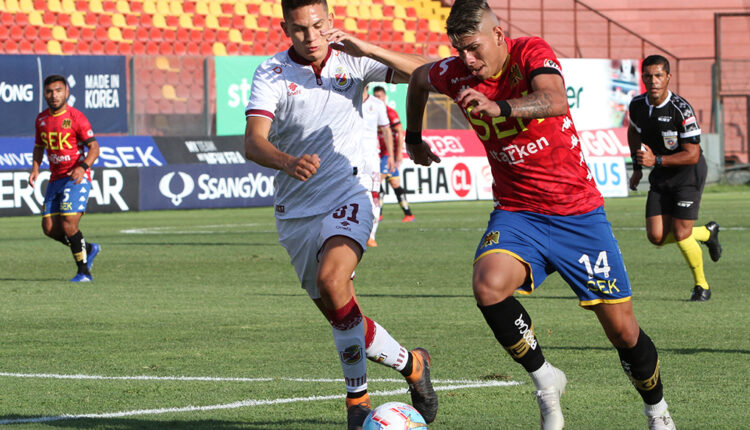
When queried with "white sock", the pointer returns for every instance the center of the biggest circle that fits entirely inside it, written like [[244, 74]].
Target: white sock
[[656, 410], [544, 377], [350, 344], [376, 220], [384, 349]]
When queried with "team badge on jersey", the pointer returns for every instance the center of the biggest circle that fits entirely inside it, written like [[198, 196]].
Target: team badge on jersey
[[66, 123], [670, 139], [341, 81], [492, 238], [515, 75]]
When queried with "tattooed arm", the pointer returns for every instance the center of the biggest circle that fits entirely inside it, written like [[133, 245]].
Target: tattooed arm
[[546, 99]]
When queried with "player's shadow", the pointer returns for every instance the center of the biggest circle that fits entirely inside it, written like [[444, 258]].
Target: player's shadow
[[133, 424]]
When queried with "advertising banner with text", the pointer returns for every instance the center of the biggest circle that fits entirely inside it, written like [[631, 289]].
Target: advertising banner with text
[[200, 186], [234, 78], [112, 190], [97, 88]]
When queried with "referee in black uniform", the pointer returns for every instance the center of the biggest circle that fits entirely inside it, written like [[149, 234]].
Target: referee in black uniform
[[664, 134]]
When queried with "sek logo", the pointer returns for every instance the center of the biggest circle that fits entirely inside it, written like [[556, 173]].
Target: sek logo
[[461, 180]]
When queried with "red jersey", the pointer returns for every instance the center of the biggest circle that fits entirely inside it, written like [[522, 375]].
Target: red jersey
[[537, 165], [63, 136], [394, 120]]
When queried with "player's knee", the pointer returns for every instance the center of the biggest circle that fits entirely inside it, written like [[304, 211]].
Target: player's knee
[[491, 287], [624, 335], [655, 238]]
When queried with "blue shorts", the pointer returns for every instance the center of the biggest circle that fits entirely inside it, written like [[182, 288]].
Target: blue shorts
[[65, 197], [384, 168], [581, 248]]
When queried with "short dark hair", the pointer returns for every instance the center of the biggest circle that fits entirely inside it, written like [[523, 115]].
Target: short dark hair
[[289, 5], [655, 60], [378, 88], [466, 17], [55, 78]]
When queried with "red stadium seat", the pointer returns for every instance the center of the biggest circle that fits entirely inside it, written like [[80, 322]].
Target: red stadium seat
[[180, 48], [111, 47], [4, 32], [68, 48], [49, 18], [152, 48], [233, 48], [91, 19], [142, 34], [87, 34], [125, 48], [10, 46], [222, 36], [207, 49], [21, 19], [25, 47], [199, 21], [155, 34], [165, 48], [146, 21], [105, 20], [83, 47], [127, 34], [136, 7], [101, 34], [139, 47], [40, 46], [183, 35], [63, 19], [253, 9], [73, 33], [193, 48], [16, 32], [29, 32], [246, 49], [188, 7], [169, 35], [6, 19]]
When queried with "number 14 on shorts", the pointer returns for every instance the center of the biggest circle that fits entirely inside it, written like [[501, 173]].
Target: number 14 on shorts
[[601, 267]]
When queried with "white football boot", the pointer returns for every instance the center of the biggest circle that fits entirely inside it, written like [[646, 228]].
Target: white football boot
[[661, 422], [548, 398]]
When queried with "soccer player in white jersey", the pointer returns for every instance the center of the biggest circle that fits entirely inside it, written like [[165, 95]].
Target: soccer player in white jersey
[[304, 119], [376, 119]]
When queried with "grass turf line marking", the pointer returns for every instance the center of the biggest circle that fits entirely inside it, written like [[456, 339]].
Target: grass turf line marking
[[212, 378], [246, 403]]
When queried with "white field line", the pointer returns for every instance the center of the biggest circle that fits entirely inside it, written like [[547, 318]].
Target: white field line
[[452, 385]]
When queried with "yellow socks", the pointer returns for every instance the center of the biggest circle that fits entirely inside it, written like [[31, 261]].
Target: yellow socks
[[694, 257], [701, 234]]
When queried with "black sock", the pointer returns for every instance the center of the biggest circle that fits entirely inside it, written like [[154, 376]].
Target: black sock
[[641, 364], [356, 395], [406, 371], [78, 248], [401, 196], [88, 249], [513, 328]]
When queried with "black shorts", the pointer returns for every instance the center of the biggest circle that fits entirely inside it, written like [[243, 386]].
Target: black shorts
[[677, 195]]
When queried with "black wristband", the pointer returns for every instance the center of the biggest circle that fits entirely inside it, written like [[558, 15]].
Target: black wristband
[[84, 165], [504, 107], [658, 161], [413, 137]]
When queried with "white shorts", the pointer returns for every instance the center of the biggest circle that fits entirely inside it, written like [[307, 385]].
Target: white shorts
[[304, 237]]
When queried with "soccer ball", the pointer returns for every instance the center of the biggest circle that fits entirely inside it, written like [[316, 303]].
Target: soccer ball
[[394, 416]]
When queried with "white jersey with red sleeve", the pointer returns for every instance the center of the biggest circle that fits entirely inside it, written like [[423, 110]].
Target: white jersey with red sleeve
[[315, 112], [375, 116], [537, 165]]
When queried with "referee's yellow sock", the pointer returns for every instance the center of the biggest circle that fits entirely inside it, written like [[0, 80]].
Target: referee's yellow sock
[[694, 257], [701, 234]]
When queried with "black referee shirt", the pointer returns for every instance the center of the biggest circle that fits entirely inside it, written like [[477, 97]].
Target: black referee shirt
[[665, 127]]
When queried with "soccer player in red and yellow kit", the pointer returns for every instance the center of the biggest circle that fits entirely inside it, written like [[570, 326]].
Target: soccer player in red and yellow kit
[[548, 213], [63, 132]]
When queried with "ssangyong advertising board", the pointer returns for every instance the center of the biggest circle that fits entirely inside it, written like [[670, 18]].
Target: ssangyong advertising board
[[198, 186]]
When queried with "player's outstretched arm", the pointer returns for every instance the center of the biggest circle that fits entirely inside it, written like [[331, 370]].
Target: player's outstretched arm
[[259, 150], [546, 99], [403, 64], [416, 100]]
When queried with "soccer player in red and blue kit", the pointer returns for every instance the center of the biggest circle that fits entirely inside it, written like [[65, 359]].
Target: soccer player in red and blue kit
[[63, 132], [548, 214]]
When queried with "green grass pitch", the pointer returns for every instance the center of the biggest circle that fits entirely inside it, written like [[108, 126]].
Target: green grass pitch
[[195, 319]]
